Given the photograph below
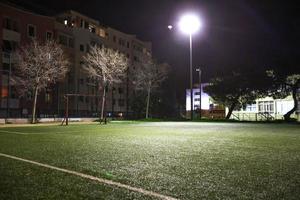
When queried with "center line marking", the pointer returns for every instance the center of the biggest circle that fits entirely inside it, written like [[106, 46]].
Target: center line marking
[[100, 180]]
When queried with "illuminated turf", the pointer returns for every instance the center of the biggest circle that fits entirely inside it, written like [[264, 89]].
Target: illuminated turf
[[180, 159]]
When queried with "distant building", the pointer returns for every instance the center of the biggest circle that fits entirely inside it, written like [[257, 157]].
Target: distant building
[[208, 108], [263, 109], [76, 33]]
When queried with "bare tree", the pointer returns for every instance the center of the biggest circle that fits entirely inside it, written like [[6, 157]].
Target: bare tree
[[39, 65], [149, 76], [105, 66]]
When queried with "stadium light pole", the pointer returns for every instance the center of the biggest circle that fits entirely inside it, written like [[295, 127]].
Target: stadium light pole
[[200, 91], [190, 24]]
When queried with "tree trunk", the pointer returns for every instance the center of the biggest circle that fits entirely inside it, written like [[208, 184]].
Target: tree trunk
[[230, 110], [33, 120], [103, 104], [148, 102], [287, 116]]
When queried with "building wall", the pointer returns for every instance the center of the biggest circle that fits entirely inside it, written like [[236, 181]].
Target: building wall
[[14, 33], [265, 109], [87, 32], [73, 31]]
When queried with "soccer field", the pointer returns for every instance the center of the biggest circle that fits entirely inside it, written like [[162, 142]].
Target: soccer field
[[151, 160]]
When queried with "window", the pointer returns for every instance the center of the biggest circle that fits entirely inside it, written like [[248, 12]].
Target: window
[[81, 23], [121, 42], [92, 29], [266, 106], [47, 97], [81, 99], [197, 93], [81, 81], [128, 45], [113, 102], [31, 31], [86, 25], [71, 42], [9, 46], [120, 90], [114, 38], [250, 108], [197, 99], [87, 100], [87, 48], [81, 47], [7, 23], [48, 35], [102, 33], [10, 24], [62, 39], [121, 102]]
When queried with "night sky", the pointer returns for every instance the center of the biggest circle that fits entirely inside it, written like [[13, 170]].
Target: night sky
[[236, 33]]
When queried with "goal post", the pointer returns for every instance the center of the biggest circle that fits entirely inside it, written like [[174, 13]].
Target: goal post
[[66, 99]]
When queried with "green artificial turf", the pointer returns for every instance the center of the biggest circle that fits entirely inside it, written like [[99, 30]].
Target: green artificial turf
[[185, 160]]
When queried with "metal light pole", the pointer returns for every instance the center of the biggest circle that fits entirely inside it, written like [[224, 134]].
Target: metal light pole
[[190, 24], [200, 91], [191, 75]]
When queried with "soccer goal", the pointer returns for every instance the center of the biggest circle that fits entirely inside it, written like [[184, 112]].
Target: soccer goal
[[65, 120]]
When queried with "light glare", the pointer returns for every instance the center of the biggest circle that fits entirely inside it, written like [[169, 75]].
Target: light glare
[[189, 24]]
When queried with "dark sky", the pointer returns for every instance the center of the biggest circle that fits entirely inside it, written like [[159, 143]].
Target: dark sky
[[237, 33]]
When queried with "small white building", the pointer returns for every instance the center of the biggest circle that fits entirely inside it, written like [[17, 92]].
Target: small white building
[[263, 109]]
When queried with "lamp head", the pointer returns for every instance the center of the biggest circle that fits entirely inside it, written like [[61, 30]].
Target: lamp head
[[189, 24]]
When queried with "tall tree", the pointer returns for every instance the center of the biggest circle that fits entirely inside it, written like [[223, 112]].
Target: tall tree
[[105, 66], [148, 77], [236, 90], [285, 83], [39, 65]]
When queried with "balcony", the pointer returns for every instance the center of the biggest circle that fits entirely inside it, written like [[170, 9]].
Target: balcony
[[11, 35]]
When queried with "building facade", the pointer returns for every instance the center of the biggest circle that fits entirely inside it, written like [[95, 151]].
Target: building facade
[[263, 109], [18, 28], [76, 33], [209, 109], [266, 108]]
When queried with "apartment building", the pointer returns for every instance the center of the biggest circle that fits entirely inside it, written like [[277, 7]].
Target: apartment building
[[87, 32], [76, 33], [19, 27]]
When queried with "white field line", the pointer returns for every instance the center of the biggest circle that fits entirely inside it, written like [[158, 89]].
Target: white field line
[[14, 132], [100, 180], [24, 133]]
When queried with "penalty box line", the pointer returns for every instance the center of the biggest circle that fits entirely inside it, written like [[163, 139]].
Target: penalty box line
[[86, 176]]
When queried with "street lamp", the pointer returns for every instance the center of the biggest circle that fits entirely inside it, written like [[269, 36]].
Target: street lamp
[[190, 24]]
